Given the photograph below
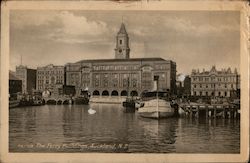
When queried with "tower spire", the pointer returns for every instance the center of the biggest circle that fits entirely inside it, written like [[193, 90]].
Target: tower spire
[[122, 43]]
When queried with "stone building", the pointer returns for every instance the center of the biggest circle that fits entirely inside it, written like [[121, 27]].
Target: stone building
[[122, 75], [51, 78], [28, 77], [214, 83]]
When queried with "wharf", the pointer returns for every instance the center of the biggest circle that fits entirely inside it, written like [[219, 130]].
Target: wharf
[[210, 110]]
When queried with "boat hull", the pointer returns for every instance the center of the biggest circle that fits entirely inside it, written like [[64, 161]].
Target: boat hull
[[156, 109], [156, 115]]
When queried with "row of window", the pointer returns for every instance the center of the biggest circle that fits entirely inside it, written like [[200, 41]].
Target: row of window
[[49, 82], [117, 67], [214, 86], [221, 94], [52, 72], [48, 76], [115, 76], [114, 83], [219, 79]]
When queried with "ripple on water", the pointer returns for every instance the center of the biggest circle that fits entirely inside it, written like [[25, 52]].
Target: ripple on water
[[109, 126]]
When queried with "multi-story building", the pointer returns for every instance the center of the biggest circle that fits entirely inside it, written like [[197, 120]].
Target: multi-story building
[[50, 78], [15, 84], [123, 75], [28, 77], [214, 83], [187, 86]]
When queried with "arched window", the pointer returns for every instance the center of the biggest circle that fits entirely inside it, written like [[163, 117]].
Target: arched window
[[134, 93], [114, 93], [105, 93], [124, 93], [96, 93]]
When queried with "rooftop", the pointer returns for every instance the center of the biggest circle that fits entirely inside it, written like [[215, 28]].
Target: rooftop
[[123, 60], [12, 76], [122, 29]]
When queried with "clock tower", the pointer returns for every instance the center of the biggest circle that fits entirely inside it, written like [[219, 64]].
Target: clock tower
[[122, 44]]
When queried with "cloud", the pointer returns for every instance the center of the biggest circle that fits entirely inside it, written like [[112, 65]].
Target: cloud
[[79, 25], [189, 27], [61, 26]]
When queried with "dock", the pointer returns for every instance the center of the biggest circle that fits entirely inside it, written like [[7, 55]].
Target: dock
[[196, 110]]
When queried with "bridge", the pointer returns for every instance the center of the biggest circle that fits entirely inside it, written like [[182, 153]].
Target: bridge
[[57, 100]]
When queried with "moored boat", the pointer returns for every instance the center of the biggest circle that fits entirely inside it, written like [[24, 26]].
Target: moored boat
[[14, 103], [131, 104], [83, 99], [156, 104], [156, 108]]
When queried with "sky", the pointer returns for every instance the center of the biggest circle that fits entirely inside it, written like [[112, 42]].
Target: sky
[[192, 39]]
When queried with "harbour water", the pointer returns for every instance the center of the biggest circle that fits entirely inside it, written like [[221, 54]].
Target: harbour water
[[65, 128]]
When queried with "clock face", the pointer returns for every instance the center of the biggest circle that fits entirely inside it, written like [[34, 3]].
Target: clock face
[[120, 50]]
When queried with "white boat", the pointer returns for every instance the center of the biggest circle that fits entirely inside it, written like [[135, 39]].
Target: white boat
[[156, 104], [156, 108]]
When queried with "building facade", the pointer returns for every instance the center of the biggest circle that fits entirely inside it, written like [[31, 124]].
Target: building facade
[[15, 84], [28, 77], [50, 78], [123, 75], [214, 83], [187, 86]]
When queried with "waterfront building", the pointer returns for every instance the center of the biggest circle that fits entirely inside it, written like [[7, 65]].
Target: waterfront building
[[50, 78], [122, 75], [214, 83], [15, 84], [28, 77], [187, 86]]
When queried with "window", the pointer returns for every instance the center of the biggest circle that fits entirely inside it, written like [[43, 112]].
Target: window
[[200, 93], [195, 86], [120, 41], [225, 93]]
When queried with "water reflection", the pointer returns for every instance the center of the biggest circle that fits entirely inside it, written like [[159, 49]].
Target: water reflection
[[74, 130]]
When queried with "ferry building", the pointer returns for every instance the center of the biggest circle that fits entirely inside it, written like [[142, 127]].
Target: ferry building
[[122, 75]]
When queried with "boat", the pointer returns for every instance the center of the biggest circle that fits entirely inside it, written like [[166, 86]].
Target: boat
[[156, 104], [26, 100], [83, 99], [14, 103], [37, 99], [131, 104], [37, 102], [156, 108]]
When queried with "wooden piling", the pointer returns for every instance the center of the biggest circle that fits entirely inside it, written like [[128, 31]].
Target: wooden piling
[[214, 112]]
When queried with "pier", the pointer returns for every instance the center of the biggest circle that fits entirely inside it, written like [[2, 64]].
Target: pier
[[195, 110]]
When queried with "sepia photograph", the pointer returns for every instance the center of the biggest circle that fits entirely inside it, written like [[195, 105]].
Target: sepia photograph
[[138, 80]]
